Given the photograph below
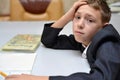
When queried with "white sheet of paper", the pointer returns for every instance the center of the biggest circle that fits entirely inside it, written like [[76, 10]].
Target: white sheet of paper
[[50, 62], [16, 61]]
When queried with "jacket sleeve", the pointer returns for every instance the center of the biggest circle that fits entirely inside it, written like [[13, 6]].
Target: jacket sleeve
[[52, 39], [105, 67]]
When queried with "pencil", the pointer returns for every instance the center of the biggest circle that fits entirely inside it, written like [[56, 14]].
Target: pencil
[[3, 74]]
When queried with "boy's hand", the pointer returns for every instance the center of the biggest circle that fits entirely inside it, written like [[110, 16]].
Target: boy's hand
[[69, 15], [26, 77]]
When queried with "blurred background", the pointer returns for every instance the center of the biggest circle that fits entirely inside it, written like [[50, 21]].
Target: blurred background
[[34, 10]]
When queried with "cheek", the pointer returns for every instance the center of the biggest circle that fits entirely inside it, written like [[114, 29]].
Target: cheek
[[74, 27], [91, 33]]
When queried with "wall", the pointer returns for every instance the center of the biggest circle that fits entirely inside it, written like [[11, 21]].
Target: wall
[[68, 4], [112, 1], [5, 6]]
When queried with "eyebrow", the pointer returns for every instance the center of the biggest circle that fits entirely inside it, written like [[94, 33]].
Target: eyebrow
[[89, 15]]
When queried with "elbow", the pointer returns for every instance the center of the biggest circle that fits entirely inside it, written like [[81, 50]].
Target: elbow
[[46, 43]]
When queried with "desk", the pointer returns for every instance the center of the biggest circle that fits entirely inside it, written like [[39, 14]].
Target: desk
[[51, 62], [45, 61], [11, 62]]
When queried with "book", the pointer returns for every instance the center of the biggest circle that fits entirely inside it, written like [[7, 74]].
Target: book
[[23, 42]]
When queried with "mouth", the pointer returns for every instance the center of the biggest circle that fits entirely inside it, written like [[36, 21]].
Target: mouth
[[79, 32]]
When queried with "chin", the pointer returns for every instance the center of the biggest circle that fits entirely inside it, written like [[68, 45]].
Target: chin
[[78, 40]]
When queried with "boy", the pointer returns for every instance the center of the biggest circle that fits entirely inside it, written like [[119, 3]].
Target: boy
[[98, 41]]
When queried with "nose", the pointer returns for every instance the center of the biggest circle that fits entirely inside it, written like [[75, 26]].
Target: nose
[[81, 23]]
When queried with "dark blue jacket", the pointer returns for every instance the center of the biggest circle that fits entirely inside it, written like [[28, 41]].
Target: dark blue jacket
[[103, 54]]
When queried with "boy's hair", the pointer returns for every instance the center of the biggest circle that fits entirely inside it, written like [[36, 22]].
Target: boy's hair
[[103, 7]]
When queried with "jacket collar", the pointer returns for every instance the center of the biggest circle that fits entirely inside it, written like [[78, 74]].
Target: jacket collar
[[108, 33]]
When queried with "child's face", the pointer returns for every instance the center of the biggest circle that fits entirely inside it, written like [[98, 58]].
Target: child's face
[[86, 23]]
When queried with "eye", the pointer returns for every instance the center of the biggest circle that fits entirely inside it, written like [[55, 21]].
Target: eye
[[77, 17], [90, 20]]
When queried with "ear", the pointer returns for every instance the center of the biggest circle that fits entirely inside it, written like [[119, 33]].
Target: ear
[[105, 24]]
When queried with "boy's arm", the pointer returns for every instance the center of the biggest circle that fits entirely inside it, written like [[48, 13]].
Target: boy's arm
[[52, 39], [105, 67], [50, 34]]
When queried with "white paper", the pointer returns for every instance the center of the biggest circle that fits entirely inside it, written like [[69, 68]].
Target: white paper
[[16, 61]]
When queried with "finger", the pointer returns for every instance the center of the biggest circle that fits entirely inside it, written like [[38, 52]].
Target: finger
[[78, 4], [12, 76], [82, 0]]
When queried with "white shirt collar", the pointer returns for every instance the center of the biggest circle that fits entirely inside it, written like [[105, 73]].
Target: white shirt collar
[[85, 51]]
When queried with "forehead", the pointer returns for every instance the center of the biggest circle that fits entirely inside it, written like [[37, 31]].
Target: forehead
[[88, 10]]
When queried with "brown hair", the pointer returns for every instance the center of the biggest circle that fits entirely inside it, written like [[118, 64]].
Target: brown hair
[[103, 7]]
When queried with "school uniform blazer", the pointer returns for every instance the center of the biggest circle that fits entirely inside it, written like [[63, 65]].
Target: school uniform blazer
[[103, 54]]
